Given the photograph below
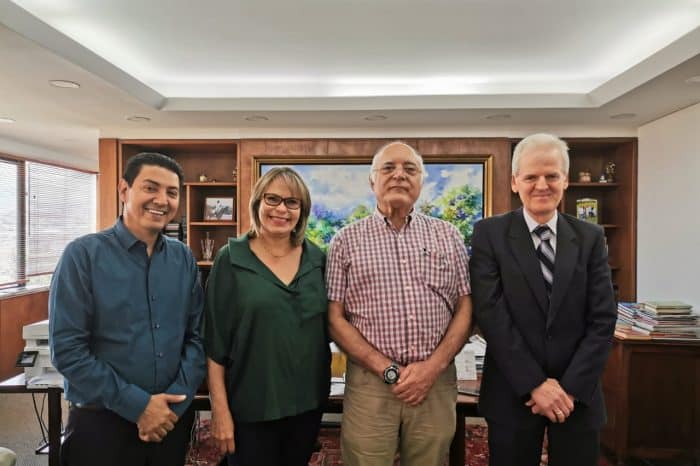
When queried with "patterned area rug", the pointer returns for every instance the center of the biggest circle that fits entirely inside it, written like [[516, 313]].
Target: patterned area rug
[[203, 452]]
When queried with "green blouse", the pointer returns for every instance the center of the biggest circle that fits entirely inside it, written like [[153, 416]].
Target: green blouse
[[272, 338]]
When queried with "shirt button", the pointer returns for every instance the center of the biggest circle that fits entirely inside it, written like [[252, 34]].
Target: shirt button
[[549, 336], [160, 355], [153, 297], [410, 317], [156, 326], [413, 347], [403, 261]]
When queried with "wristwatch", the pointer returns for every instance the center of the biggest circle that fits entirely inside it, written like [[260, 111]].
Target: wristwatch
[[391, 374]]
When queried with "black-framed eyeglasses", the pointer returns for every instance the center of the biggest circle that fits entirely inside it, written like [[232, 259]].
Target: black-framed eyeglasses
[[273, 200]]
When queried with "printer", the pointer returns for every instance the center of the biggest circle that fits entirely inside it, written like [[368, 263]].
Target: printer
[[40, 374]]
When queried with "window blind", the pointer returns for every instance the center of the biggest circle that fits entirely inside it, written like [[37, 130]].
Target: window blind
[[60, 207], [9, 221]]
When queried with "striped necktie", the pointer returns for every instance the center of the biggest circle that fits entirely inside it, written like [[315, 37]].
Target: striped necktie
[[545, 253]]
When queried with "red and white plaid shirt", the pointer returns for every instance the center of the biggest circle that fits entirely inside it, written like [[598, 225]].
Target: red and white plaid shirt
[[399, 287]]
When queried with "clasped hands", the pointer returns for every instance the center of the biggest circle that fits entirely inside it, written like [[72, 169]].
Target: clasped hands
[[157, 419], [415, 381], [551, 400]]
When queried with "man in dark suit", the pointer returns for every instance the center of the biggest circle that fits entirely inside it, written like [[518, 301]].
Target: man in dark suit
[[544, 301]]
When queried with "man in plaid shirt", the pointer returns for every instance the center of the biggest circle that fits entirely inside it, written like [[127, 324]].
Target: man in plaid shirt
[[398, 286]]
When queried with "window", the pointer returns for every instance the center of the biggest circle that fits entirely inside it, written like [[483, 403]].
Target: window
[[42, 209]]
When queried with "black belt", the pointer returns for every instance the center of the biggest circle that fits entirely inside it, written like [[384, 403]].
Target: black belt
[[88, 406]]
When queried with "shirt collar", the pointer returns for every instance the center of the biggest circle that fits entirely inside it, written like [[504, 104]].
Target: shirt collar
[[385, 220], [128, 240], [532, 224], [241, 254]]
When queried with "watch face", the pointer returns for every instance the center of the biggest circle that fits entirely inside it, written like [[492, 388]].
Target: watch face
[[391, 374]]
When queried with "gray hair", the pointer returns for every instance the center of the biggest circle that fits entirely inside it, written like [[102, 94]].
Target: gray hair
[[380, 152], [541, 141]]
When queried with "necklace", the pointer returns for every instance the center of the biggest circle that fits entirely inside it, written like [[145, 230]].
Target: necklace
[[276, 256]]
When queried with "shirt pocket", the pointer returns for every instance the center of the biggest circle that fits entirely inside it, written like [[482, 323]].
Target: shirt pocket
[[435, 269]]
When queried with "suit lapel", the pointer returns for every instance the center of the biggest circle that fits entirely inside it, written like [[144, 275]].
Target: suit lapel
[[564, 264], [523, 250]]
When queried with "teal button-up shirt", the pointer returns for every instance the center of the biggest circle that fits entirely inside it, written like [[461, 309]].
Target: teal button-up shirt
[[271, 338], [124, 326]]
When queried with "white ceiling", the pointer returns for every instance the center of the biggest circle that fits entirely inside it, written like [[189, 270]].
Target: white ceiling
[[320, 67]]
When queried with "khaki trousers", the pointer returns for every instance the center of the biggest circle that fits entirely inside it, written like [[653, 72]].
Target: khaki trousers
[[376, 424]]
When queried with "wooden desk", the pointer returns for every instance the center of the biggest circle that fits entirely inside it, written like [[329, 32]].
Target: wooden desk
[[652, 393], [466, 407], [16, 385]]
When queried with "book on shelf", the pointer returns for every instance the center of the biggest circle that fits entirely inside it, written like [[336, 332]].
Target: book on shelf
[[173, 230]]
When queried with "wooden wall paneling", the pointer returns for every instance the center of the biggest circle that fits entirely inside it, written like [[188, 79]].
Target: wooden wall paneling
[[107, 179], [248, 150], [15, 313]]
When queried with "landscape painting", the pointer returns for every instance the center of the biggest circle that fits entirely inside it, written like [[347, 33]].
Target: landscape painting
[[340, 194]]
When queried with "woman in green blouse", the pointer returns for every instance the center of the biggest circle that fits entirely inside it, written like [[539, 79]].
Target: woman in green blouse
[[265, 331]]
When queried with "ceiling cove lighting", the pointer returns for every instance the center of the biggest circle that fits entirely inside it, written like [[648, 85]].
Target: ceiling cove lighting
[[7, 120], [138, 119], [63, 84]]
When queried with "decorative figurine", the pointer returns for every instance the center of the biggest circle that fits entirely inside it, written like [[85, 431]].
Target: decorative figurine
[[584, 176], [234, 175], [203, 178], [602, 178], [610, 172]]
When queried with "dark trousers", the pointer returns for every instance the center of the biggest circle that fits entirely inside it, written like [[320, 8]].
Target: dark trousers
[[102, 437], [510, 445], [289, 441]]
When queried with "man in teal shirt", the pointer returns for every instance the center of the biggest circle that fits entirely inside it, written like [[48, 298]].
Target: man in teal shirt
[[125, 309]]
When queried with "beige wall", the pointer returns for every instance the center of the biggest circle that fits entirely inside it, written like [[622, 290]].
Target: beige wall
[[668, 241]]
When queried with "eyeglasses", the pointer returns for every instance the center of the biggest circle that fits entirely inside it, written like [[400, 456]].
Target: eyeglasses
[[390, 168], [273, 200]]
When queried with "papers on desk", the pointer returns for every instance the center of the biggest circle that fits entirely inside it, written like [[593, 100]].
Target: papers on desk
[[49, 379], [337, 386], [466, 364], [470, 361]]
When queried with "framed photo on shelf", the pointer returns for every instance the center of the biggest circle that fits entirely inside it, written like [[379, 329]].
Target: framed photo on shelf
[[587, 209], [218, 209], [456, 189]]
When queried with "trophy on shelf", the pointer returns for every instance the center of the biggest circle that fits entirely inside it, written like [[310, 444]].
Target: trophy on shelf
[[207, 247]]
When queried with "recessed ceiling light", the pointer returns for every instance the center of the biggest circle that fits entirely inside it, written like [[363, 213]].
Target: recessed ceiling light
[[7, 120], [498, 116], [64, 84], [623, 116], [376, 117], [138, 119], [693, 80], [256, 118]]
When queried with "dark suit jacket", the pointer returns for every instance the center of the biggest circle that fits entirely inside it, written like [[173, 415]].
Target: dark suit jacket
[[530, 339]]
